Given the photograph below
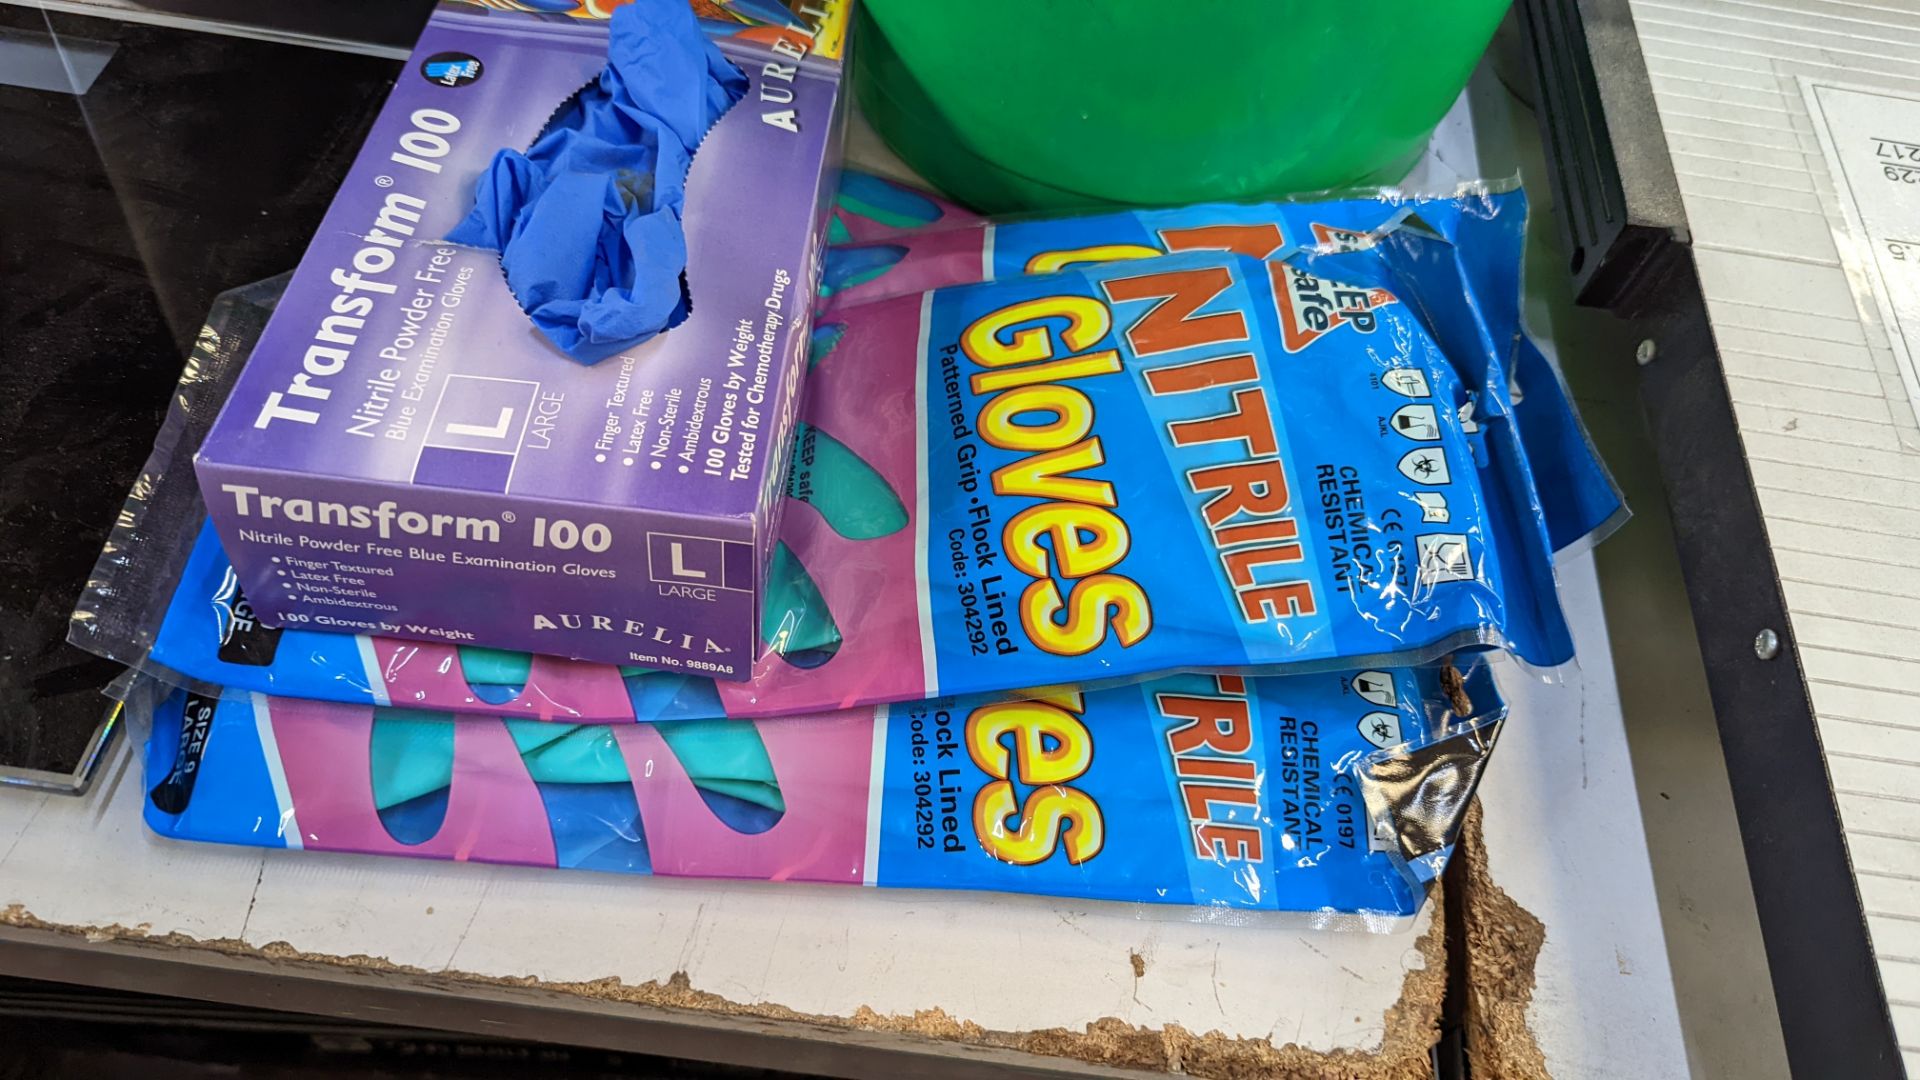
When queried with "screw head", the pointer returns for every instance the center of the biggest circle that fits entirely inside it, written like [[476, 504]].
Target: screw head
[[1766, 645], [1644, 354]]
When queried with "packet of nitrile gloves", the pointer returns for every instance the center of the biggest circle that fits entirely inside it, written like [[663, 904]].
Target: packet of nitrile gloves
[[210, 635], [829, 662], [1202, 459], [1194, 789]]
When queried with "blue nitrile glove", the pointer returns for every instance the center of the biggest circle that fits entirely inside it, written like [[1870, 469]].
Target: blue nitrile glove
[[587, 221]]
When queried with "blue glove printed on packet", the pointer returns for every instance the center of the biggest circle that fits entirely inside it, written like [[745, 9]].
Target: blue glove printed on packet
[[587, 220]]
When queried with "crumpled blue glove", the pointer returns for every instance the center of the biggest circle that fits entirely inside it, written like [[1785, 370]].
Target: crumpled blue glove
[[587, 220]]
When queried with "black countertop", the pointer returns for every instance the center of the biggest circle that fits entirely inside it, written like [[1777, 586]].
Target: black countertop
[[195, 163]]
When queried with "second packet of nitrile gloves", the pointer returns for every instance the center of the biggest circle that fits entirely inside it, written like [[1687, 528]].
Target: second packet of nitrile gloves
[[1210, 790]]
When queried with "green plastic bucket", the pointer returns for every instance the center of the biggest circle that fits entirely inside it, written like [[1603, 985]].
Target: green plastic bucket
[[1054, 104]]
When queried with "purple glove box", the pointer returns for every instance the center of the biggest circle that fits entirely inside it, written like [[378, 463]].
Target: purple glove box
[[404, 455]]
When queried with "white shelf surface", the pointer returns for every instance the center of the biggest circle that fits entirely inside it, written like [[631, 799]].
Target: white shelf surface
[[1575, 857]]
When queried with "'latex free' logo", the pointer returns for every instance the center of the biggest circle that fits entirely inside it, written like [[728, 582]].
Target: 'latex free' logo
[[451, 68]]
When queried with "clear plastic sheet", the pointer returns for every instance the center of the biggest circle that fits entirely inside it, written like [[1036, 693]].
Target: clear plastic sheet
[[120, 612]]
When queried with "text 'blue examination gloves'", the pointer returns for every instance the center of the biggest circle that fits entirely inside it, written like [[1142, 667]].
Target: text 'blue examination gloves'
[[587, 220]]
